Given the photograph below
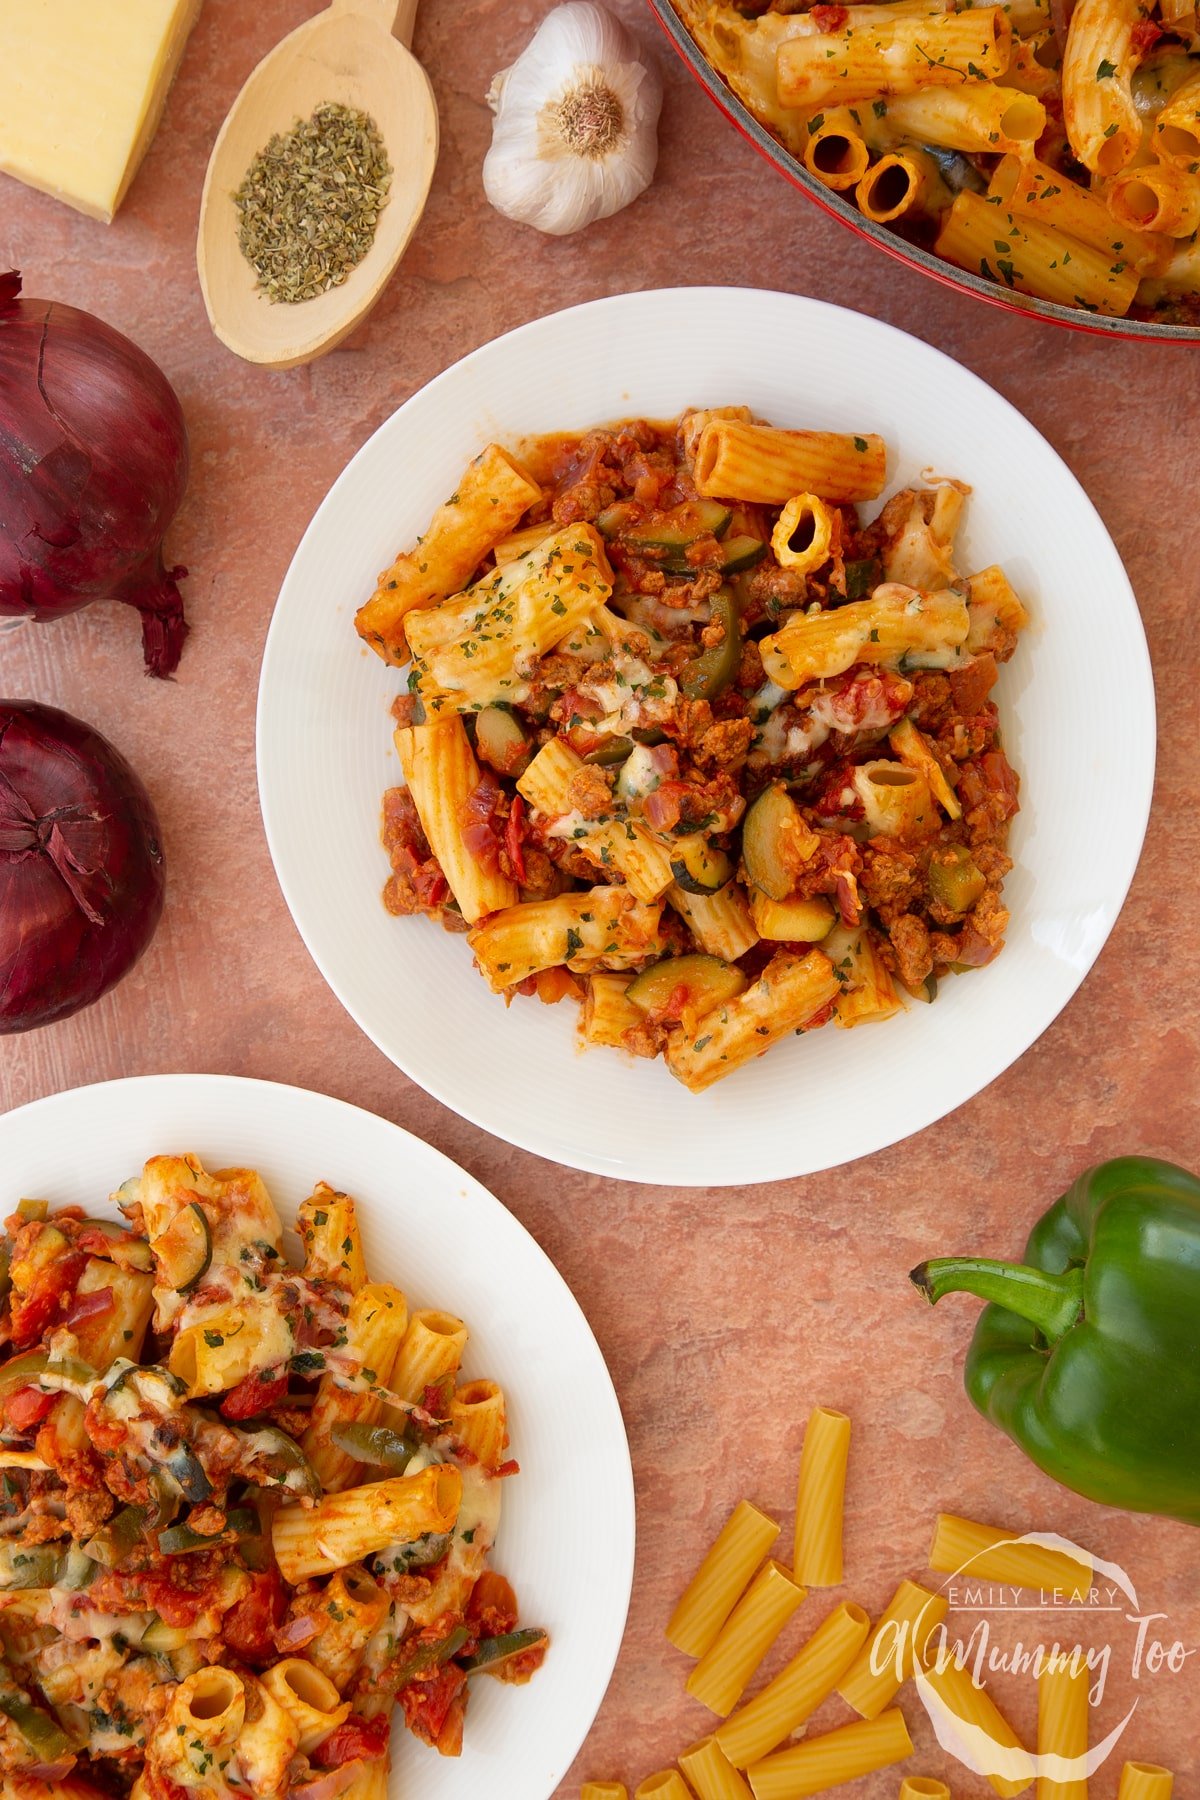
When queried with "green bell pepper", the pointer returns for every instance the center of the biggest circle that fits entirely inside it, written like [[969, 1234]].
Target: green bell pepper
[[1088, 1356]]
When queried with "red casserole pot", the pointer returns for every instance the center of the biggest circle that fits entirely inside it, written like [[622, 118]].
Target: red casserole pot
[[1074, 318]]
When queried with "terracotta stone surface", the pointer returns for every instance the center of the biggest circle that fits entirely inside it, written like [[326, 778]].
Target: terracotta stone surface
[[723, 1316]]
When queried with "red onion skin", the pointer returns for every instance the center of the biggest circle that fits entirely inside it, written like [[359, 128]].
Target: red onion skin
[[81, 868], [93, 466]]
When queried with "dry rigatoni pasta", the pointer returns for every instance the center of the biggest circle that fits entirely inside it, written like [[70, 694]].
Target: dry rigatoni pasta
[[832, 1759], [817, 1551], [797, 1691], [892, 1651], [1062, 1736], [719, 1679], [966, 1716], [1145, 1781], [711, 1773], [989, 1553], [715, 1588]]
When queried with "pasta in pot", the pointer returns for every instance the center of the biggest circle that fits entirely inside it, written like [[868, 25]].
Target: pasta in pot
[[694, 745], [223, 1571], [1054, 157]]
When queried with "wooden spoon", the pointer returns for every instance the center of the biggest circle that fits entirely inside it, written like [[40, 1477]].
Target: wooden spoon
[[354, 53]]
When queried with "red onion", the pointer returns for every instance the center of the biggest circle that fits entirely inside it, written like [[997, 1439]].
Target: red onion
[[325, 1787], [81, 870], [95, 1305], [93, 466], [295, 1633]]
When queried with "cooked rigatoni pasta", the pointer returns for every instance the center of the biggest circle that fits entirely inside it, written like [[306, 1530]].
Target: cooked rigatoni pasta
[[327, 1223], [737, 461], [719, 1679], [478, 1419], [1145, 1781], [637, 804], [1062, 1735], [989, 1553], [375, 1324], [797, 1691], [1099, 109], [858, 61], [835, 150], [833, 1759], [252, 1584], [442, 773], [493, 494], [791, 991], [908, 110], [892, 1651], [896, 624], [428, 1355], [308, 1697], [1034, 258], [349, 1610], [1163, 198], [820, 1492], [715, 1588], [966, 1716]]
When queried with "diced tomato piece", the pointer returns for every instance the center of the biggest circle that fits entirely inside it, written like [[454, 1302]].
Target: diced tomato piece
[[492, 1608], [249, 1626], [91, 1306], [260, 1390], [427, 1702], [28, 1407], [47, 1300], [355, 1737]]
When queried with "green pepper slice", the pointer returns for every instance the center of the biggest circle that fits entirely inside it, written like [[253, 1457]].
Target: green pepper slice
[[43, 1734], [711, 672], [179, 1540], [491, 1652], [375, 1444], [428, 1656]]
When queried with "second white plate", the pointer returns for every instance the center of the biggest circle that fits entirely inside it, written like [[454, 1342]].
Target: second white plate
[[325, 753], [567, 1532]]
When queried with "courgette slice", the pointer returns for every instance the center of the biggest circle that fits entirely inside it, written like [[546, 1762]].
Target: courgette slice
[[738, 553], [791, 921], [695, 982], [673, 531], [182, 1540], [133, 1252], [501, 740], [185, 1248], [699, 867], [955, 880], [775, 842]]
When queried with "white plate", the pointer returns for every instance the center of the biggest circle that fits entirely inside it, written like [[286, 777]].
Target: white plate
[[1077, 706], [567, 1532]]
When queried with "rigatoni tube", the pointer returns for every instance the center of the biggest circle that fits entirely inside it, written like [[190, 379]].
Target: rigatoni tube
[[343, 1528]]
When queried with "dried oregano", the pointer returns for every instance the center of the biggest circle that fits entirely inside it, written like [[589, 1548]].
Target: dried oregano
[[311, 200]]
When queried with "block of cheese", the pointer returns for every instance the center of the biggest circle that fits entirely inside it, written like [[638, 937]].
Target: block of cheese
[[82, 88]]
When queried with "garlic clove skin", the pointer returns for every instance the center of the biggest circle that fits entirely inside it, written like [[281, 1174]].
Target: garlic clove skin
[[575, 136]]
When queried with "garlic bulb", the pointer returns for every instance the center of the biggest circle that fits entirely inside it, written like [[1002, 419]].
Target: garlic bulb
[[576, 116]]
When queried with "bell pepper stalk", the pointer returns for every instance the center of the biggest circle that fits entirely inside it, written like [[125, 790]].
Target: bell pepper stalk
[[1085, 1355]]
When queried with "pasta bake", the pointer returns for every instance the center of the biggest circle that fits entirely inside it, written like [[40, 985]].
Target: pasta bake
[[246, 1508], [1049, 146], [687, 741]]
